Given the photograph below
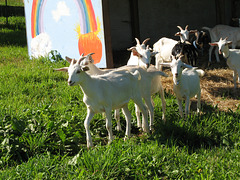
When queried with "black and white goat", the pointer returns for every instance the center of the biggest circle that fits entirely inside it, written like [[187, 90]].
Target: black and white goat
[[191, 50]]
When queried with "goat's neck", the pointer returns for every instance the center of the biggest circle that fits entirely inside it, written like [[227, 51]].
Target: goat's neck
[[177, 82], [226, 53], [94, 70], [87, 84]]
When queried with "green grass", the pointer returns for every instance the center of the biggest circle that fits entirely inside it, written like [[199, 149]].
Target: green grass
[[12, 2], [42, 135]]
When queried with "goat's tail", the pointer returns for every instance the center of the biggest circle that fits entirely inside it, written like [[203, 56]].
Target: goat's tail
[[200, 72]]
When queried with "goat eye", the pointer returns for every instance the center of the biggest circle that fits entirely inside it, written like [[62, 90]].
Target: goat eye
[[78, 71]]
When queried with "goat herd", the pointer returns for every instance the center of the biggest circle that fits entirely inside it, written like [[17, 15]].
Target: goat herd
[[111, 89]]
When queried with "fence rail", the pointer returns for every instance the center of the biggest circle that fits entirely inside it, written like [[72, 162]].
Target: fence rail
[[7, 11]]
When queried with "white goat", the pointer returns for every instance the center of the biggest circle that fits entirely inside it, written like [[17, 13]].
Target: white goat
[[141, 54], [165, 45], [164, 48], [186, 83], [184, 33], [156, 85], [232, 57], [149, 84], [223, 31], [101, 94]]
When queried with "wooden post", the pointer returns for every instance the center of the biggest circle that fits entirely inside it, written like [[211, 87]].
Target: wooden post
[[107, 34], [134, 20]]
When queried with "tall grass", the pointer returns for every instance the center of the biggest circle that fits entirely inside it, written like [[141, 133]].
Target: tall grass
[[42, 134]]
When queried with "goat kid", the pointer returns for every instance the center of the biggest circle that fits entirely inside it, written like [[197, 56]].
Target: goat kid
[[149, 84], [101, 94], [232, 57], [186, 83], [156, 85], [192, 49]]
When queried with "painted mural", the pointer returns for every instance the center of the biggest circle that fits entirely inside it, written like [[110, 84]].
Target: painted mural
[[71, 27]]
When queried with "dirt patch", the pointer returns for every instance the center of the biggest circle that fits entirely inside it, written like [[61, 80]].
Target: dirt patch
[[217, 89]]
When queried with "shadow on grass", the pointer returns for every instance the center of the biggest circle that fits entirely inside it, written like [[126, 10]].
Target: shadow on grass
[[13, 37], [198, 131], [210, 128]]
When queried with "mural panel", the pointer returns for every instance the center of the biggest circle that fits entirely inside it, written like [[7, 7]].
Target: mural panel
[[71, 27]]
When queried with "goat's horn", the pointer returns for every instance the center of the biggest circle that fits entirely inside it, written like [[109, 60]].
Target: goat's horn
[[81, 56], [186, 27], [226, 38], [138, 42], [90, 54], [179, 27], [146, 40]]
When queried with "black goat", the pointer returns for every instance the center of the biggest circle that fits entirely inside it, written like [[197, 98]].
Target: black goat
[[188, 50], [192, 50]]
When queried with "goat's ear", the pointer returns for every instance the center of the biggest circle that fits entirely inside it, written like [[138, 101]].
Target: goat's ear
[[134, 51], [187, 66], [229, 42], [131, 48], [64, 69], [213, 44], [178, 34], [68, 59], [85, 68]]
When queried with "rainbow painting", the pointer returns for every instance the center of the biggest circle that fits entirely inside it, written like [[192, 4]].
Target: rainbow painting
[[88, 21], [88, 31], [84, 25], [37, 17]]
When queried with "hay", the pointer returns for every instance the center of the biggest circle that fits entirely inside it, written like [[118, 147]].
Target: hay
[[217, 89]]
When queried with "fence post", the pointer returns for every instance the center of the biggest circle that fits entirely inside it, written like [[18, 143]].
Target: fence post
[[6, 11]]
